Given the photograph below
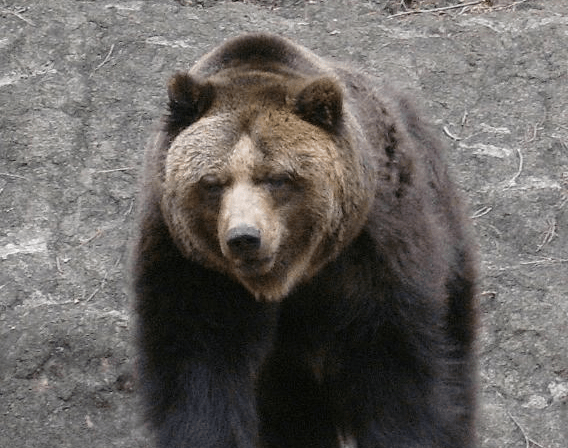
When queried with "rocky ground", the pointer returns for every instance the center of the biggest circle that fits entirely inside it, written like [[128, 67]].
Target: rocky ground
[[82, 84]]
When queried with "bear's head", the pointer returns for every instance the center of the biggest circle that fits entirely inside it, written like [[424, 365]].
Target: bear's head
[[261, 179]]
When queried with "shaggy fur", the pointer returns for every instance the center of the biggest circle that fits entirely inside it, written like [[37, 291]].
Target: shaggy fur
[[303, 273]]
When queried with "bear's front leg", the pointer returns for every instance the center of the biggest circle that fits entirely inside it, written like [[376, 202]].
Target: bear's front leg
[[202, 339], [203, 404], [402, 388]]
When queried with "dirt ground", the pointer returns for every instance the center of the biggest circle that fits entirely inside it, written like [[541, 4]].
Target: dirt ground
[[82, 84]]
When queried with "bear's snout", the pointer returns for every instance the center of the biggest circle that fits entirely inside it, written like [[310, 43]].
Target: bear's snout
[[244, 241], [248, 231], [247, 250]]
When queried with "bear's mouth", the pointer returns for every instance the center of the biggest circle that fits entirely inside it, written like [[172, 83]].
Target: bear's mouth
[[252, 267]]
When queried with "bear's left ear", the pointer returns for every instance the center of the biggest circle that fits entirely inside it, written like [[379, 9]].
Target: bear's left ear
[[189, 100], [321, 103]]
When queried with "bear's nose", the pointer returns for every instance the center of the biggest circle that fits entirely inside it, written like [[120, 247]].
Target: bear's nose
[[243, 241]]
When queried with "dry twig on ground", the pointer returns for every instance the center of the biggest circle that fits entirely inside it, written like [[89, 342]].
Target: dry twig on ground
[[441, 9]]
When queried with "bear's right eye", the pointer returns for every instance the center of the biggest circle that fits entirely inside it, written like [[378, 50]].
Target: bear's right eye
[[211, 184]]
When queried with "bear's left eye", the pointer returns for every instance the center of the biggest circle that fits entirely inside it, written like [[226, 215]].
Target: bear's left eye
[[279, 181]]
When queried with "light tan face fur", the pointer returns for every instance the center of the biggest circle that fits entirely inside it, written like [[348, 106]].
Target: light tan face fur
[[282, 178], [246, 204]]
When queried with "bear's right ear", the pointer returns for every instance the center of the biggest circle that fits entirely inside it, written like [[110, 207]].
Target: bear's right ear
[[189, 99], [321, 103]]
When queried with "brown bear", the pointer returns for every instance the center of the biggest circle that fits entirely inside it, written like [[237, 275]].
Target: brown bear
[[303, 272]]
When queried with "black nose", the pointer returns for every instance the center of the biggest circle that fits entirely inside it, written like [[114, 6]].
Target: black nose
[[243, 241]]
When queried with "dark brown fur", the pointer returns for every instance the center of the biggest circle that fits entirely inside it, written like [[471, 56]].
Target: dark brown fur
[[303, 270]]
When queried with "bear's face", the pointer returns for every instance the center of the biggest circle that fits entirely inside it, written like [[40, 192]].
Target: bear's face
[[255, 190]]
